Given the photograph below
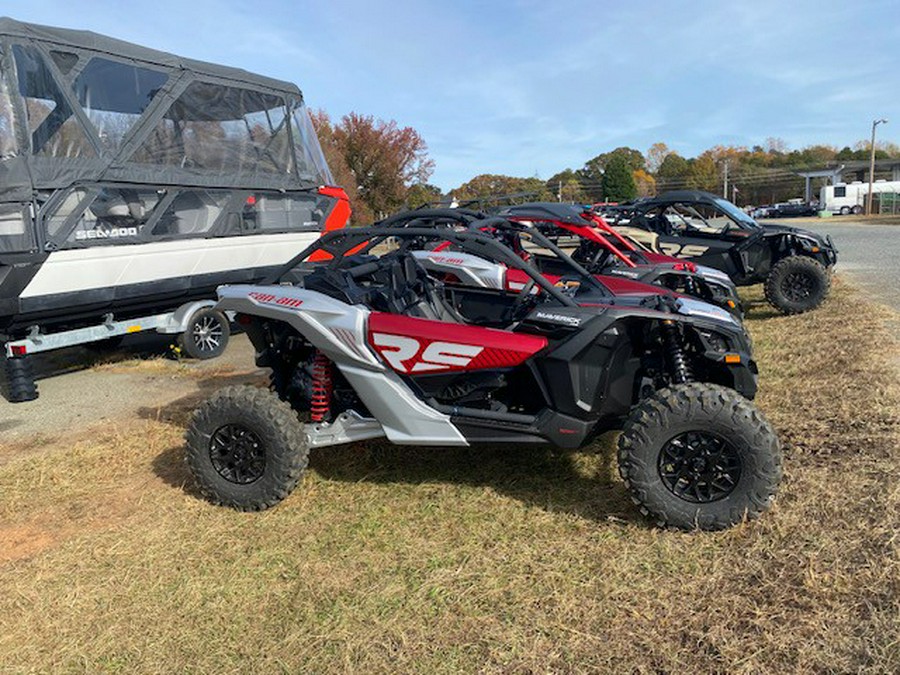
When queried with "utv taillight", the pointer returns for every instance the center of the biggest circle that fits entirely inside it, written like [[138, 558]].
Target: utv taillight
[[243, 319], [251, 200]]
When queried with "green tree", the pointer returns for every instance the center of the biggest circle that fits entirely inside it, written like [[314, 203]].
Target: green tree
[[703, 174], [672, 172], [618, 182], [566, 185], [591, 176], [493, 188], [422, 194]]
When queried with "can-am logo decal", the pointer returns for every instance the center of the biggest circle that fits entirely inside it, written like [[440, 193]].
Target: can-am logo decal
[[446, 260], [679, 251], [398, 349], [270, 299]]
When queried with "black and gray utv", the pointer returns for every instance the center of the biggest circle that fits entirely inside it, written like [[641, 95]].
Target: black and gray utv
[[793, 263]]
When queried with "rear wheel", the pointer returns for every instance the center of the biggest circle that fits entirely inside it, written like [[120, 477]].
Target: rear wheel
[[699, 456], [207, 334], [797, 284], [845, 210], [246, 448], [857, 210]]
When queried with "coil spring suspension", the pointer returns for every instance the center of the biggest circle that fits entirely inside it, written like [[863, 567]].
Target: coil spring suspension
[[320, 402], [689, 286], [681, 370]]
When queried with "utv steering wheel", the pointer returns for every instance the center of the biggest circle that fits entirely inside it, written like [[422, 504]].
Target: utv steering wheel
[[523, 302]]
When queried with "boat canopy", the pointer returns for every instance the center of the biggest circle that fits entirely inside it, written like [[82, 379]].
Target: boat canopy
[[78, 107]]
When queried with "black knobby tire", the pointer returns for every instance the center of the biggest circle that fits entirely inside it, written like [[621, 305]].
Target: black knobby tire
[[797, 284], [246, 448], [207, 334], [20, 384], [750, 454]]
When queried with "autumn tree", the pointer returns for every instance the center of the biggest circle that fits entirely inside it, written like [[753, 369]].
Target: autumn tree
[[644, 183], [384, 158], [656, 155], [341, 172], [618, 183]]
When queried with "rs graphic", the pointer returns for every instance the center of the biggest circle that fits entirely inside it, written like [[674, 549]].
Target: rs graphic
[[679, 251], [397, 350]]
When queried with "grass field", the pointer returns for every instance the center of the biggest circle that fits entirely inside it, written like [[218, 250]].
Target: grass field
[[491, 559]]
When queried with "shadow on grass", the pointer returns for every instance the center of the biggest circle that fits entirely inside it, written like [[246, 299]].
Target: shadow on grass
[[760, 311], [581, 483]]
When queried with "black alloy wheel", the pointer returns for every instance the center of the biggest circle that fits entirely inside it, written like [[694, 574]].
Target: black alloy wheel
[[699, 467], [797, 286], [237, 454]]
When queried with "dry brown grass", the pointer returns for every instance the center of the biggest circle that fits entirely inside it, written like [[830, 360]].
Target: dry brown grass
[[492, 559]]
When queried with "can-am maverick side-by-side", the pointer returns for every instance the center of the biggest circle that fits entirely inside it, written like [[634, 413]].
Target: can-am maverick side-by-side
[[603, 251], [364, 346], [624, 271], [793, 263], [134, 182]]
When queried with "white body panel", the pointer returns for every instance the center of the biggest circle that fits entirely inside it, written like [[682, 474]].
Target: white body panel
[[104, 266]]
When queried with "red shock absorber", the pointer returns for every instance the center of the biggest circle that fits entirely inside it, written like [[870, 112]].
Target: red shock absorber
[[320, 405]]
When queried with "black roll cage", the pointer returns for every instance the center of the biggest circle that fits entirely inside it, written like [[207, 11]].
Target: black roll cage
[[340, 242]]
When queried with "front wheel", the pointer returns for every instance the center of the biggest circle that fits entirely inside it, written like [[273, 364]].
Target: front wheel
[[797, 284], [699, 456], [246, 448]]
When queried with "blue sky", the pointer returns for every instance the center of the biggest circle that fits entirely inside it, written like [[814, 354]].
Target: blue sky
[[528, 87]]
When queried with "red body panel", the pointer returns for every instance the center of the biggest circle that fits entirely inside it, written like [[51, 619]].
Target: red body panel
[[412, 345], [336, 220]]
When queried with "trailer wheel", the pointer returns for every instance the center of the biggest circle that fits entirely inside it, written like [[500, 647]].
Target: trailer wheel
[[857, 210], [845, 210], [207, 334]]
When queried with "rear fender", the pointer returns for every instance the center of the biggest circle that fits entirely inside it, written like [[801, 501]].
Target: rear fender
[[339, 331]]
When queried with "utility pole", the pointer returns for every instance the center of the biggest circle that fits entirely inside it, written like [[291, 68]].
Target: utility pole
[[875, 123], [559, 192], [725, 184]]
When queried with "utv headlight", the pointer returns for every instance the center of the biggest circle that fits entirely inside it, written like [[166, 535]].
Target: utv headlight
[[714, 342]]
